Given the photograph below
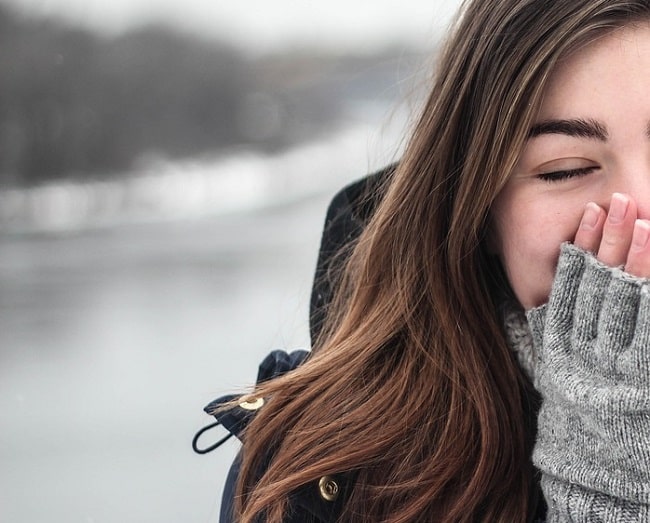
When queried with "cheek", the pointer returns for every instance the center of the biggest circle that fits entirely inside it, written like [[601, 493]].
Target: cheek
[[529, 238]]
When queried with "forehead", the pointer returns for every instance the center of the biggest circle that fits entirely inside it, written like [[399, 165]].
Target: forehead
[[615, 66]]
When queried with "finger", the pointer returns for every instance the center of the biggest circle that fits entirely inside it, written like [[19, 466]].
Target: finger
[[617, 231], [638, 259], [590, 230]]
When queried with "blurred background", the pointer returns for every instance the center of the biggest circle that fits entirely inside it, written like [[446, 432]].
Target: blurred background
[[165, 167]]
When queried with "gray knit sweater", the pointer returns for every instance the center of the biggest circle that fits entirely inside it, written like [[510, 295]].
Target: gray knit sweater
[[587, 352]]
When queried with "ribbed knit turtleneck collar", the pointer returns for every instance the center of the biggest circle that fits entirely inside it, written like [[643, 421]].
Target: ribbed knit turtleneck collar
[[519, 337]]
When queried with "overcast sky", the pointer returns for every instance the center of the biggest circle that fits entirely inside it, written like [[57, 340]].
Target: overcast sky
[[260, 25]]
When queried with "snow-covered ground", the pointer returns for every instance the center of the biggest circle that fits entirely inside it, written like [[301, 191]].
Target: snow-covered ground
[[164, 190]]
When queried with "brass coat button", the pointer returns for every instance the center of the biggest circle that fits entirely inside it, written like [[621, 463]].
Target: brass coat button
[[252, 403], [328, 488]]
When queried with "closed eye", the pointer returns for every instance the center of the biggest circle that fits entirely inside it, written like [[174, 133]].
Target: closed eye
[[556, 176]]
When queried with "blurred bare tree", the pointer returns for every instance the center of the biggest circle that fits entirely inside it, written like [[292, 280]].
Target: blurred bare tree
[[71, 102], [74, 104]]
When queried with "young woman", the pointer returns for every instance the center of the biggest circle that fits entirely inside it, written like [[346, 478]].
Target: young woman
[[486, 355]]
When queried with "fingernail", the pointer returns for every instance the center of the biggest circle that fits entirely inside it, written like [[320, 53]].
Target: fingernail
[[590, 216], [640, 234], [618, 208]]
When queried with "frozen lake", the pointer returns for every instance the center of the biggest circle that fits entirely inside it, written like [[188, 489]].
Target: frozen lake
[[111, 342]]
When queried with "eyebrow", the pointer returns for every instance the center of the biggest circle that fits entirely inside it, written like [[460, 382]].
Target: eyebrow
[[578, 128]]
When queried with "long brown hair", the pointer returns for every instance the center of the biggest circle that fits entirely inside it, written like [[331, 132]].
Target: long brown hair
[[412, 386]]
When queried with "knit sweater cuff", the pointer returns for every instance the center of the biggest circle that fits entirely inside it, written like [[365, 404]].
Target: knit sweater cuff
[[592, 368]]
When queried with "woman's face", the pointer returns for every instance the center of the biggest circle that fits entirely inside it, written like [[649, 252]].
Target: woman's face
[[590, 140]]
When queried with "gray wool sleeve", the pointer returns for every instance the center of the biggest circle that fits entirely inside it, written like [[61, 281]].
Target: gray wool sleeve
[[592, 368]]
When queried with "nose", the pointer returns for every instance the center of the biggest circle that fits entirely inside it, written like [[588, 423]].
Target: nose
[[636, 184]]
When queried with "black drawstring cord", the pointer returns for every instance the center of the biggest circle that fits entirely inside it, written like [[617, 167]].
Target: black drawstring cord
[[195, 441]]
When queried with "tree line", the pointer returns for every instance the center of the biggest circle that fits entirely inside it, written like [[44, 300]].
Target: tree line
[[74, 104]]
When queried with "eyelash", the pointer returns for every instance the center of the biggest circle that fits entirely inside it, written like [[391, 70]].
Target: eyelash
[[557, 176]]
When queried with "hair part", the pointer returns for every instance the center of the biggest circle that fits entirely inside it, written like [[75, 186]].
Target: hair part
[[412, 386]]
